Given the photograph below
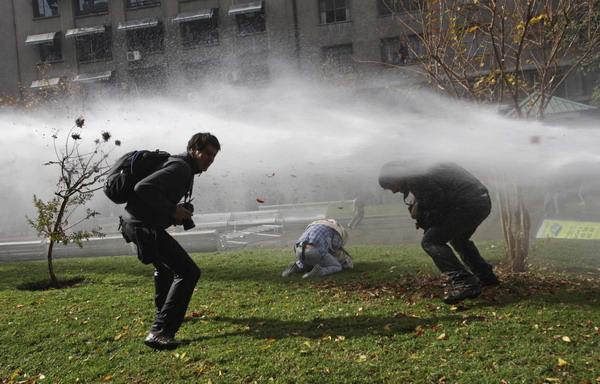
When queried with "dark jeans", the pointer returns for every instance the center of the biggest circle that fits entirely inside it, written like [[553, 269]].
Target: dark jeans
[[457, 229], [175, 276]]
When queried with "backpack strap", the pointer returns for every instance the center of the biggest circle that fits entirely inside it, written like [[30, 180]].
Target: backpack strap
[[188, 195]]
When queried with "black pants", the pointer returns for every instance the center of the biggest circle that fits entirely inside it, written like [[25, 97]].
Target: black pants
[[175, 276], [457, 229]]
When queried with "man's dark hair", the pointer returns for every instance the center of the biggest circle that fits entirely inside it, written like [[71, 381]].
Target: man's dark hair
[[201, 140], [391, 172]]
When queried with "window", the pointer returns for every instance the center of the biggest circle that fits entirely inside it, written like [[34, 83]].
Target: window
[[200, 32], [90, 7], [334, 11], [389, 7], [250, 23], [394, 52], [250, 17], [145, 40], [51, 52], [141, 3], [44, 8], [416, 47], [338, 59], [94, 47]]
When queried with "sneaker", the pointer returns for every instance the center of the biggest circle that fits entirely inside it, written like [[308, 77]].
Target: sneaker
[[459, 294], [291, 269], [316, 271], [158, 341], [489, 280]]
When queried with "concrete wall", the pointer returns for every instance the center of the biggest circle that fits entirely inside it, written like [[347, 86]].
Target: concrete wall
[[9, 70]]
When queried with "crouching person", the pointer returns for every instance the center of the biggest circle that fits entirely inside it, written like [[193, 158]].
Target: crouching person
[[320, 250], [449, 204]]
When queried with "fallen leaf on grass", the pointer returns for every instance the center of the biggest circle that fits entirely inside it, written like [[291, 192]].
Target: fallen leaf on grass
[[552, 379], [566, 339], [561, 362], [442, 337], [106, 378]]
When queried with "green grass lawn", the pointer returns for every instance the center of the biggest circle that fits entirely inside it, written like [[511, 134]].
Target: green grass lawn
[[382, 322]]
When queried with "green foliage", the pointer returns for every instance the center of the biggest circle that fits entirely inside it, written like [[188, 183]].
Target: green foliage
[[382, 322], [49, 227]]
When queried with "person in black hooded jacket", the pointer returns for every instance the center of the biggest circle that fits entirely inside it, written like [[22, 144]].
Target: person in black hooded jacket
[[449, 204], [155, 206]]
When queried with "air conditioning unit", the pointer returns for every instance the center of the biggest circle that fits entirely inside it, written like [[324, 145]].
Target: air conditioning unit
[[134, 56]]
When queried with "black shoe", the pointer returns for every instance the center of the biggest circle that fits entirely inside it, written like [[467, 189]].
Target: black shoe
[[459, 294], [158, 341], [490, 280]]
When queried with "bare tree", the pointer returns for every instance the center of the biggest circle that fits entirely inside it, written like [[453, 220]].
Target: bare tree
[[500, 50], [80, 174]]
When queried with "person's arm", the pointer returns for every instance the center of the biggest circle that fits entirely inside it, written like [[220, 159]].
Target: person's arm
[[429, 194]]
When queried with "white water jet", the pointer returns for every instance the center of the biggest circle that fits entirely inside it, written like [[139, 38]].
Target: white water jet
[[293, 141]]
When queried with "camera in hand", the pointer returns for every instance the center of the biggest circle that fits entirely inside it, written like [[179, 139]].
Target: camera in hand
[[188, 223]]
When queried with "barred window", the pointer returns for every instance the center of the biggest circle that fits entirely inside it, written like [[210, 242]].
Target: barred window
[[334, 11], [44, 8]]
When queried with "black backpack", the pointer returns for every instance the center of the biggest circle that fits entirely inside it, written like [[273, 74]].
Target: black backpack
[[128, 170]]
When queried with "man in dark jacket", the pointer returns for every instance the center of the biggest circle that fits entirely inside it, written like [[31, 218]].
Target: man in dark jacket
[[156, 206], [449, 204]]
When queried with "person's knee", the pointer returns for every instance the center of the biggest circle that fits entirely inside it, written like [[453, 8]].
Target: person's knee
[[427, 244], [193, 275]]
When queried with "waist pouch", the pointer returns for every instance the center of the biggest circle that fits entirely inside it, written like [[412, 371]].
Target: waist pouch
[[144, 238]]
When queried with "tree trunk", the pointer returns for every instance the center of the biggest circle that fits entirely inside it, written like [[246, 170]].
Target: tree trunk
[[516, 226], [57, 228], [53, 278]]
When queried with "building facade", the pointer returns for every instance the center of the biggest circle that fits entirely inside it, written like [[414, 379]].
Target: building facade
[[144, 46], [155, 46]]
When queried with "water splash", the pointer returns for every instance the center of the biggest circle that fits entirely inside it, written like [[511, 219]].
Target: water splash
[[296, 141]]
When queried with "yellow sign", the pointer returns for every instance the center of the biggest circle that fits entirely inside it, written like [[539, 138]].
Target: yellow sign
[[563, 229]]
